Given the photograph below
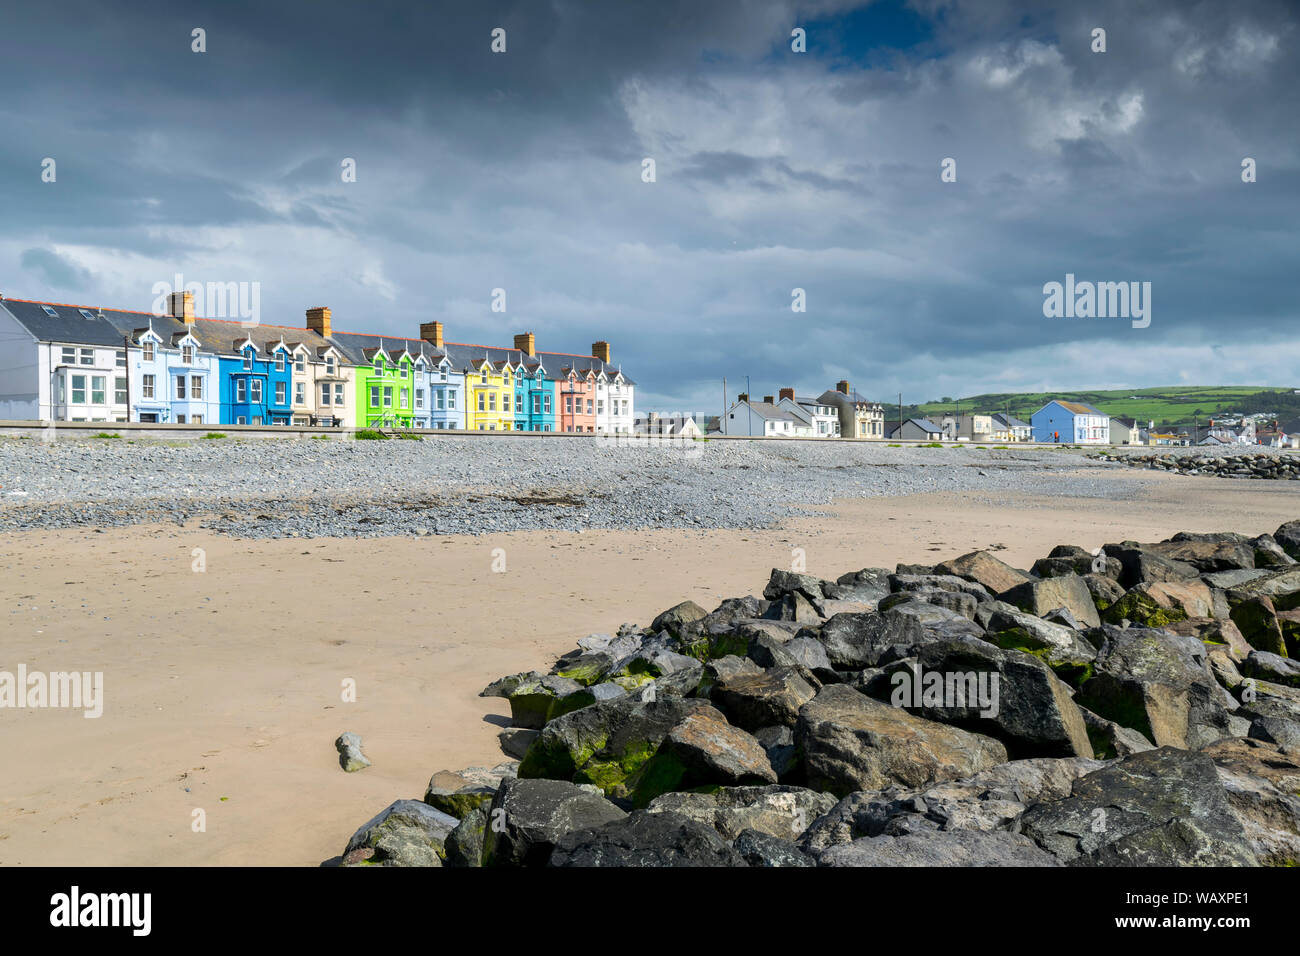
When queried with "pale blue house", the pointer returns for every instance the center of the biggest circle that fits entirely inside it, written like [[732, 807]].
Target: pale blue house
[[1075, 423]]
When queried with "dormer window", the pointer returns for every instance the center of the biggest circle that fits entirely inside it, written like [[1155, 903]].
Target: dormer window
[[300, 363], [329, 365], [248, 358], [379, 366], [187, 354], [146, 348], [483, 379], [279, 361]]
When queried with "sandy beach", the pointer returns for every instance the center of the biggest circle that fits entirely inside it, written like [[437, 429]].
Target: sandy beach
[[223, 687]]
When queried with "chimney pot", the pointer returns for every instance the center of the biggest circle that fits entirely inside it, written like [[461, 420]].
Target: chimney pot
[[431, 332], [600, 350], [318, 320]]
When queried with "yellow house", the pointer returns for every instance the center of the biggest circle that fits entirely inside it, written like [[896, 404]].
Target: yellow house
[[488, 397]]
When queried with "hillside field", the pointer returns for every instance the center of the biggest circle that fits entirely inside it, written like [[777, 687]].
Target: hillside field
[[1173, 405]]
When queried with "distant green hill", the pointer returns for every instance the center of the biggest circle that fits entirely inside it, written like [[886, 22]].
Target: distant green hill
[[1173, 405]]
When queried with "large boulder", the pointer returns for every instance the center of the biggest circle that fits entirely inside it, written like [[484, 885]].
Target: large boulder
[[1038, 596], [464, 845], [1270, 554], [751, 701], [456, 793], [1213, 631], [764, 850], [983, 568], [1223, 551], [406, 833], [1006, 694], [703, 750], [855, 641], [1062, 648], [1164, 807], [958, 602], [1103, 590], [1139, 565], [866, 586], [779, 811], [1257, 620], [1159, 603], [1262, 781], [950, 583], [1282, 587], [851, 742], [538, 698], [608, 743], [990, 800], [940, 848], [1071, 559], [1158, 684], [527, 817], [1110, 740], [646, 839], [677, 617], [1272, 667], [1288, 536], [781, 583]]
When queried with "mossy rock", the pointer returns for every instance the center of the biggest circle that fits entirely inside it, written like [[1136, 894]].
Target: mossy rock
[[1071, 669], [460, 803], [1142, 608]]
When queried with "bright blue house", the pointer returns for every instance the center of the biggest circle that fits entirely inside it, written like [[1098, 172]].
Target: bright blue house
[[1070, 422], [255, 384]]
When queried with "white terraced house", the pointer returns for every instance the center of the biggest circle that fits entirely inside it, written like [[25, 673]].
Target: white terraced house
[[822, 419], [61, 363], [614, 396]]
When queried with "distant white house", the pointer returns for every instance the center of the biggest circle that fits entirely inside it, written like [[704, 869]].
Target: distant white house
[[675, 425], [760, 419], [821, 419]]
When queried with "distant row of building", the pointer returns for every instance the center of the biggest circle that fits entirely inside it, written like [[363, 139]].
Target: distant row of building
[[88, 364], [843, 412]]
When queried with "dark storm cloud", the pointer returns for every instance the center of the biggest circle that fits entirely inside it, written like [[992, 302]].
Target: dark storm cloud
[[774, 171]]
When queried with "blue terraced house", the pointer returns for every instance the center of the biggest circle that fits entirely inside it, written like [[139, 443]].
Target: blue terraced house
[[255, 383], [1060, 421]]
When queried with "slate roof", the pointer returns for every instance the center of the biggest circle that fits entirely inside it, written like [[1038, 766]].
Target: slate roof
[[923, 423], [220, 335], [1009, 421], [770, 412], [1074, 408], [835, 397]]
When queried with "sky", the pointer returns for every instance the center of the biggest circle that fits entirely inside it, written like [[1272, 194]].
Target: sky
[[774, 170]]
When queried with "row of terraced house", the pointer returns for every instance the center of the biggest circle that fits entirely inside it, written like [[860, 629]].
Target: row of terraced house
[[72, 363]]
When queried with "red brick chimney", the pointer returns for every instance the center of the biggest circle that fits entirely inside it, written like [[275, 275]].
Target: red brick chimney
[[318, 320], [181, 306], [600, 350], [526, 342], [787, 393], [431, 332]]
